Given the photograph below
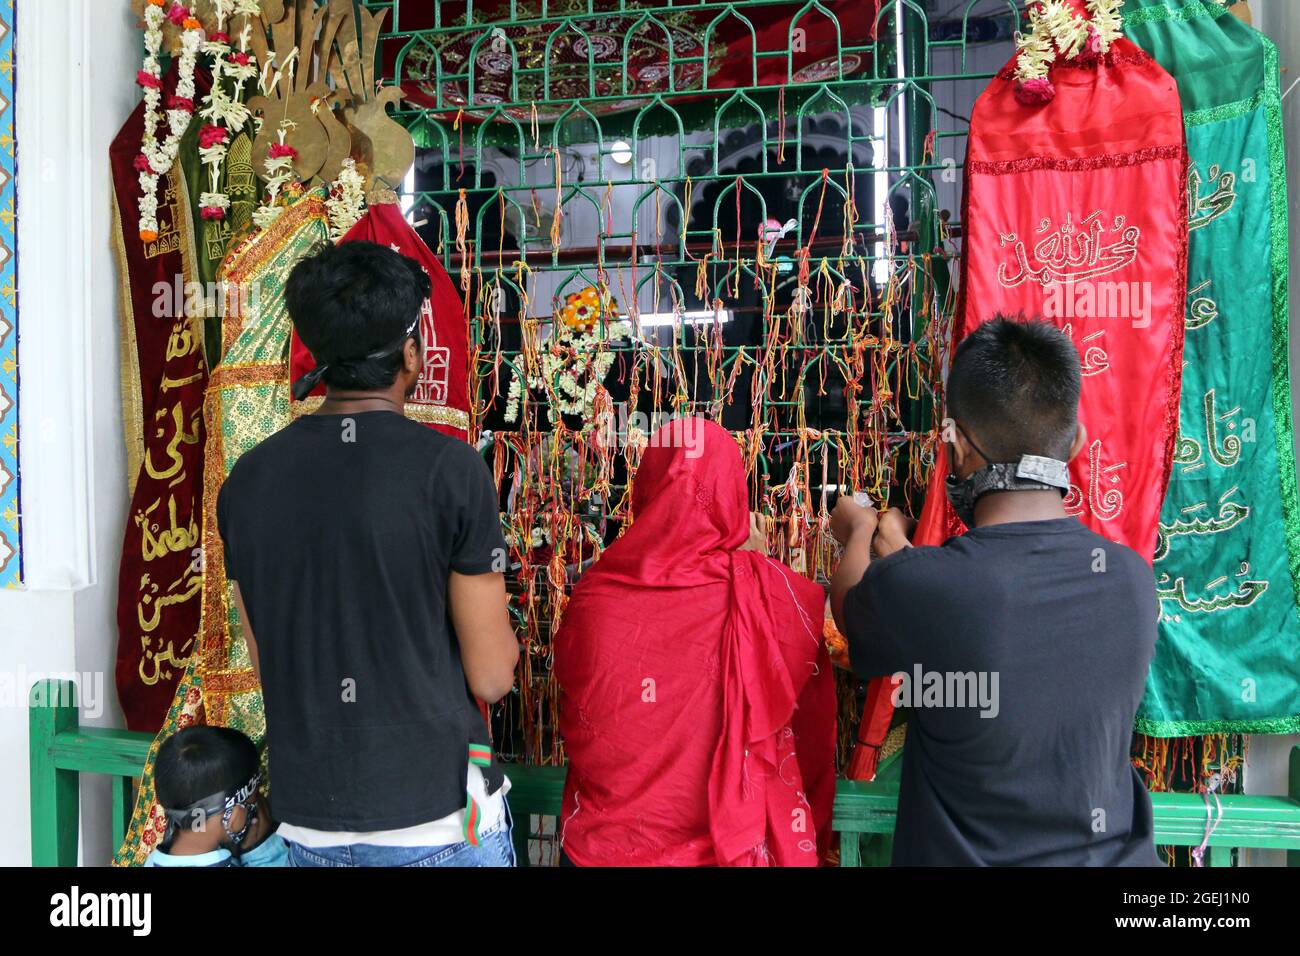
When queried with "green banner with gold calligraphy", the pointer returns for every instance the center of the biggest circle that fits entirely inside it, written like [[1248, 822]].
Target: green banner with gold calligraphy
[[1227, 562], [214, 237]]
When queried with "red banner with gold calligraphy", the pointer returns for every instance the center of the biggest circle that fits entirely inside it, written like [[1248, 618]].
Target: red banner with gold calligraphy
[[1076, 211]]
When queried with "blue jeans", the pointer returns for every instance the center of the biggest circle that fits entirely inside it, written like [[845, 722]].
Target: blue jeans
[[495, 849]]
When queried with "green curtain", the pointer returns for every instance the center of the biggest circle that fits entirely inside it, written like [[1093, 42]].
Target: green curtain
[[1228, 560]]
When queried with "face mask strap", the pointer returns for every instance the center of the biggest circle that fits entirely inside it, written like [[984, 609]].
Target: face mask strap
[[305, 385], [220, 806], [970, 441], [1029, 473]]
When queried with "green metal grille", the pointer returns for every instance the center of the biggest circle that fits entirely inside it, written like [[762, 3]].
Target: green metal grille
[[637, 149]]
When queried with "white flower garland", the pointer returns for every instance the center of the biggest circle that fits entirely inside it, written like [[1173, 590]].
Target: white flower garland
[[279, 173], [225, 113], [1067, 30], [1108, 21], [346, 200], [281, 156], [577, 361], [156, 158], [1056, 30]]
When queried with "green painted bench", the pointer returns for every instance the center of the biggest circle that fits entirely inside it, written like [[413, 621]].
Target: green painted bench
[[864, 815]]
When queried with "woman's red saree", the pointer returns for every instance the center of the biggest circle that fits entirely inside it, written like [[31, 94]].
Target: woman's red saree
[[697, 702]]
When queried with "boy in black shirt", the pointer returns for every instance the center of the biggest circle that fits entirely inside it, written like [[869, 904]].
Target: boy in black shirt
[[1023, 644], [367, 558]]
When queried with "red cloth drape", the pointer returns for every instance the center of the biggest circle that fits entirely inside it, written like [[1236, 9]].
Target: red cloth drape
[[441, 398], [697, 701], [1076, 211]]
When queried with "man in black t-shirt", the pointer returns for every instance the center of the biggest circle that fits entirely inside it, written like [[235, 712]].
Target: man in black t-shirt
[[367, 558], [1022, 645]]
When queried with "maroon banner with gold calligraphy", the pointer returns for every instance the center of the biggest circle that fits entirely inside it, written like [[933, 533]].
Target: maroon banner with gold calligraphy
[[163, 380]]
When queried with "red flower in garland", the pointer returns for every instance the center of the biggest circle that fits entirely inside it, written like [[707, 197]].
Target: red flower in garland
[[178, 14], [213, 212], [1091, 51], [148, 80], [210, 136], [280, 150], [142, 164], [180, 103], [1035, 92], [240, 58], [219, 37]]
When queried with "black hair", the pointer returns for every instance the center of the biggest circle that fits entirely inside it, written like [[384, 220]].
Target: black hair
[[353, 299], [1014, 384], [199, 761]]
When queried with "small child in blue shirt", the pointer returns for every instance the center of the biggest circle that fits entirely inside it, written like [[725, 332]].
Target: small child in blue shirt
[[207, 779]]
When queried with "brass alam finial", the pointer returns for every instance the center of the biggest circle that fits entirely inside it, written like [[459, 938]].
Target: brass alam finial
[[320, 71]]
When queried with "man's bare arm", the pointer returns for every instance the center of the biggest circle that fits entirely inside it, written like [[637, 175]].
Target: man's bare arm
[[853, 526], [489, 649]]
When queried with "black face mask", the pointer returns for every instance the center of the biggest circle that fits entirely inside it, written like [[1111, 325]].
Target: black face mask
[[1030, 473]]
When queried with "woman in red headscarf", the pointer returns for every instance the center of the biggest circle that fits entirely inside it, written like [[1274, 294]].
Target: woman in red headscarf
[[697, 703]]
